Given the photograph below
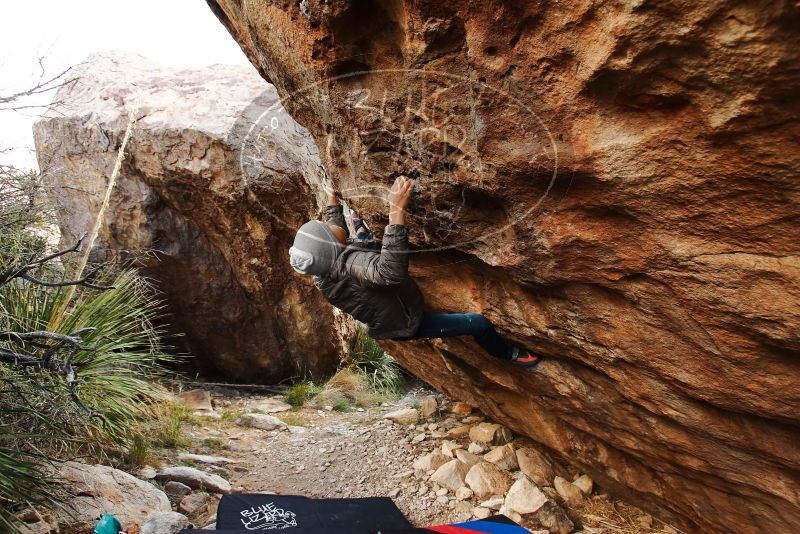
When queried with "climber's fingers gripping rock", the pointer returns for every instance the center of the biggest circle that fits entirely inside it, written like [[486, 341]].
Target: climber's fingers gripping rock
[[399, 197]]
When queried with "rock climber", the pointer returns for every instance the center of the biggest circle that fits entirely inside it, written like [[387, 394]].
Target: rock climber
[[369, 279]]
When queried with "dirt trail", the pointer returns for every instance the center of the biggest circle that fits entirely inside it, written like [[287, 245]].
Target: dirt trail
[[325, 453]]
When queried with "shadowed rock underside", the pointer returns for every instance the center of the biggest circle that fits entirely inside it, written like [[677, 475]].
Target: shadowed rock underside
[[613, 184]]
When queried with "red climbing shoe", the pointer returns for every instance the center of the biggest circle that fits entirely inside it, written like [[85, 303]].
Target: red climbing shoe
[[525, 358]]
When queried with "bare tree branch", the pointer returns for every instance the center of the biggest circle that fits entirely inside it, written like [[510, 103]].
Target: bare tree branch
[[41, 86], [81, 282], [58, 357], [31, 262]]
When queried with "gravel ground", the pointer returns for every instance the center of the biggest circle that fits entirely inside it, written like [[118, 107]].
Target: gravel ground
[[325, 453], [331, 454]]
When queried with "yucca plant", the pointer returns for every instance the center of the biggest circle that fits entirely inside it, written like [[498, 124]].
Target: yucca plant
[[117, 365], [380, 368], [21, 480], [76, 362], [117, 368]]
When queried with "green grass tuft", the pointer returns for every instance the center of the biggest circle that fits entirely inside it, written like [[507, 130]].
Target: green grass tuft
[[292, 419], [342, 404], [138, 452], [166, 428], [231, 416], [301, 392]]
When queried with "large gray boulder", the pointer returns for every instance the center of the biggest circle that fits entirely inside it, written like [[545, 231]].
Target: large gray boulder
[[207, 202], [92, 490]]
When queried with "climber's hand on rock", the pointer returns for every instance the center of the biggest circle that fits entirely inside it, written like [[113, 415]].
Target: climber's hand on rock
[[399, 196]]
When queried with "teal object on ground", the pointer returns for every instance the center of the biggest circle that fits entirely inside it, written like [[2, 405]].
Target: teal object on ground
[[108, 524]]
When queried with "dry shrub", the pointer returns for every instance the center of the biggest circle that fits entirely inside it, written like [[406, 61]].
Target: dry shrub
[[350, 385], [601, 514]]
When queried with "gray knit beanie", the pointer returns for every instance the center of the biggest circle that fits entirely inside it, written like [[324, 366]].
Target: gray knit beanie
[[315, 249]]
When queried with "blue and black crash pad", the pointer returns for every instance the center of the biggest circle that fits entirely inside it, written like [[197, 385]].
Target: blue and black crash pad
[[498, 524], [269, 512], [242, 514]]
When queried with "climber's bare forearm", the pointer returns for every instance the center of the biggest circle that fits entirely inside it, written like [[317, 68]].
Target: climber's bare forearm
[[397, 217], [399, 197]]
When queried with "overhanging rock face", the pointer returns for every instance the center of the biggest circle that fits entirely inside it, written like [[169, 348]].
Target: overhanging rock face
[[614, 185], [204, 203]]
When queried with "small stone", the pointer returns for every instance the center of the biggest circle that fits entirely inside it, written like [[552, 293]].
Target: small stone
[[394, 493], [504, 457], [430, 462], [449, 448], [524, 497], [194, 504], [472, 419], [406, 416], [463, 493], [467, 457], [451, 475], [494, 502], [552, 517], [584, 483], [476, 448], [461, 408], [458, 431], [568, 491], [419, 438], [261, 421], [433, 426], [146, 473], [29, 515], [645, 521], [269, 405], [536, 466], [205, 459], [481, 513], [441, 491], [514, 516], [195, 479], [164, 523], [197, 400], [487, 479], [463, 507], [491, 433], [176, 489], [429, 407]]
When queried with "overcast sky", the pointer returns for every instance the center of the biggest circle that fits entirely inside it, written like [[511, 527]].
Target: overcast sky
[[176, 33]]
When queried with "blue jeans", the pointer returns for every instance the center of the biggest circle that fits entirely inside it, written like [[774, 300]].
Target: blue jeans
[[465, 324]]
